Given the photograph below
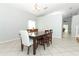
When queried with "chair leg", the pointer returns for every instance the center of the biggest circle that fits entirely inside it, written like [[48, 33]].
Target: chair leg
[[44, 44], [48, 43], [37, 45], [51, 41], [22, 46], [51, 38], [28, 50]]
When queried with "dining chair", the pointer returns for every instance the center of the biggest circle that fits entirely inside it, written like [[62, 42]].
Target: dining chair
[[25, 40], [40, 41], [47, 37]]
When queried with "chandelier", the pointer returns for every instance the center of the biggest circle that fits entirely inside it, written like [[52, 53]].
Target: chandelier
[[39, 7]]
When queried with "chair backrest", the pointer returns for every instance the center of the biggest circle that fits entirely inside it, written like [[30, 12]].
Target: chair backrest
[[25, 37], [51, 30], [47, 31]]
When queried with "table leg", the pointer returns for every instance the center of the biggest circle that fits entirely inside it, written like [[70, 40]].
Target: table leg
[[34, 46]]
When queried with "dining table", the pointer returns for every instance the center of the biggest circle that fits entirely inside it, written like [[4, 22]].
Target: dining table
[[35, 36]]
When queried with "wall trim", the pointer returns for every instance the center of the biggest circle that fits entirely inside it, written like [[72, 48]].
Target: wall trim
[[6, 41]]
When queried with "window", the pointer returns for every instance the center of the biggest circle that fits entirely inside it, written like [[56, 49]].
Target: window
[[31, 24]]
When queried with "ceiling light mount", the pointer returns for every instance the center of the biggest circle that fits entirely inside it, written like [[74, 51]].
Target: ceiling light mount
[[39, 7]]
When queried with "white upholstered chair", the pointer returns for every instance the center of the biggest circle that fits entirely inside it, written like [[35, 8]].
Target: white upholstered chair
[[25, 40]]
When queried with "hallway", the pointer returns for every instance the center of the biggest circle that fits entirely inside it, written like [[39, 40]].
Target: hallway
[[66, 35]]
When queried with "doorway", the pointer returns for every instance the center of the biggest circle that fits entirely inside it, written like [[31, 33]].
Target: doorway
[[66, 28], [65, 31]]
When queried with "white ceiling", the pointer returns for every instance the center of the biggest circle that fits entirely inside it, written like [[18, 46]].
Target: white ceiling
[[67, 9]]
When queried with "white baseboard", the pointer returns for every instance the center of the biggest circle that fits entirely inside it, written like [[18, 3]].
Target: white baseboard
[[56, 38], [9, 40]]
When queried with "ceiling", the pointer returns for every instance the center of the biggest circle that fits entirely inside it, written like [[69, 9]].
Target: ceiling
[[67, 9]]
